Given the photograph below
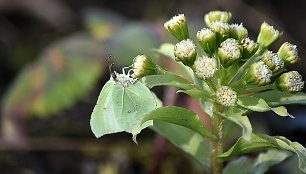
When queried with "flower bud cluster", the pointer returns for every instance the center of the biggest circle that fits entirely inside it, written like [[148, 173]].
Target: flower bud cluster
[[229, 51]]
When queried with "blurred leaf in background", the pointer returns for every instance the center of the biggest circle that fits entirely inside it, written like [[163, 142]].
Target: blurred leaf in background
[[63, 73]]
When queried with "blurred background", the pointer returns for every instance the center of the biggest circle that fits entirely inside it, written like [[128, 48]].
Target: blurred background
[[53, 64]]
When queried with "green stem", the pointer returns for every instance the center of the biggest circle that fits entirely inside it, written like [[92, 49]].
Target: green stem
[[243, 68], [216, 143]]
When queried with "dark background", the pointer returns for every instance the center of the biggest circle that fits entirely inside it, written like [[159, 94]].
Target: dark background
[[60, 142]]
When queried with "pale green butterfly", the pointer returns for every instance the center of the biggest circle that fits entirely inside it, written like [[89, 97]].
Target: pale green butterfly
[[121, 105]]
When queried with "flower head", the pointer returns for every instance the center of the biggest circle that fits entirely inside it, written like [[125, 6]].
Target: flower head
[[222, 29], [258, 73], [226, 96], [185, 51], [177, 26], [289, 53], [143, 66], [238, 31], [207, 40], [229, 51], [290, 82], [273, 61], [205, 67], [267, 35], [249, 47], [222, 16]]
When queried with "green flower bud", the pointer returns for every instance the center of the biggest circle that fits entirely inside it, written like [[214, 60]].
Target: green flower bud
[[249, 47], [207, 40], [185, 52], [143, 66], [177, 26], [229, 51], [226, 96], [258, 73], [290, 82], [221, 29], [222, 16], [267, 35], [205, 67], [289, 53], [273, 61], [238, 32]]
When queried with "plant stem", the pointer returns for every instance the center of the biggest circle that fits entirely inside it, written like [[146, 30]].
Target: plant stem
[[216, 143]]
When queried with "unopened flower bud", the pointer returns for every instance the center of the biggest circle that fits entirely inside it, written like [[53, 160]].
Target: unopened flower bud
[[177, 26], [238, 32], [273, 61], [185, 51], [258, 73], [229, 51], [205, 67], [289, 53], [267, 35], [143, 66], [249, 47], [207, 40], [222, 16], [226, 96], [290, 82], [221, 29]]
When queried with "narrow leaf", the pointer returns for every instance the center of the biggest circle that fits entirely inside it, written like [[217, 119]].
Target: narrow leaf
[[186, 139], [277, 98], [268, 159], [168, 80], [241, 165], [260, 105], [262, 142], [179, 116], [243, 121]]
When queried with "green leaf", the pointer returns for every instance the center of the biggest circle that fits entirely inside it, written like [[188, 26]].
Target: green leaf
[[241, 120], [168, 80], [260, 165], [196, 93], [166, 49], [260, 105], [207, 106], [179, 116], [121, 108], [268, 159], [241, 165], [186, 139], [277, 98], [262, 142]]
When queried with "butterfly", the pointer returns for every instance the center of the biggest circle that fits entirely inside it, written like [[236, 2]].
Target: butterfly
[[121, 105]]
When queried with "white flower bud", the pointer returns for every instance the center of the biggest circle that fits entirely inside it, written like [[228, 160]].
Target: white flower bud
[[289, 53], [267, 35], [229, 51], [221, 16], [258, 73], [177, 26], [207, 40], [185, 51], [290, 82], [205, 67], [273, 61], [238, 31], [226, 96]]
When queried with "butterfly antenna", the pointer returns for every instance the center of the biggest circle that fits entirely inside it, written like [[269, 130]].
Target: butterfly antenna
[[110, 67]]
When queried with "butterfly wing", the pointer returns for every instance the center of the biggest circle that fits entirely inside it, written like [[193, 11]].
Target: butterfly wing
[[121, 108]]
